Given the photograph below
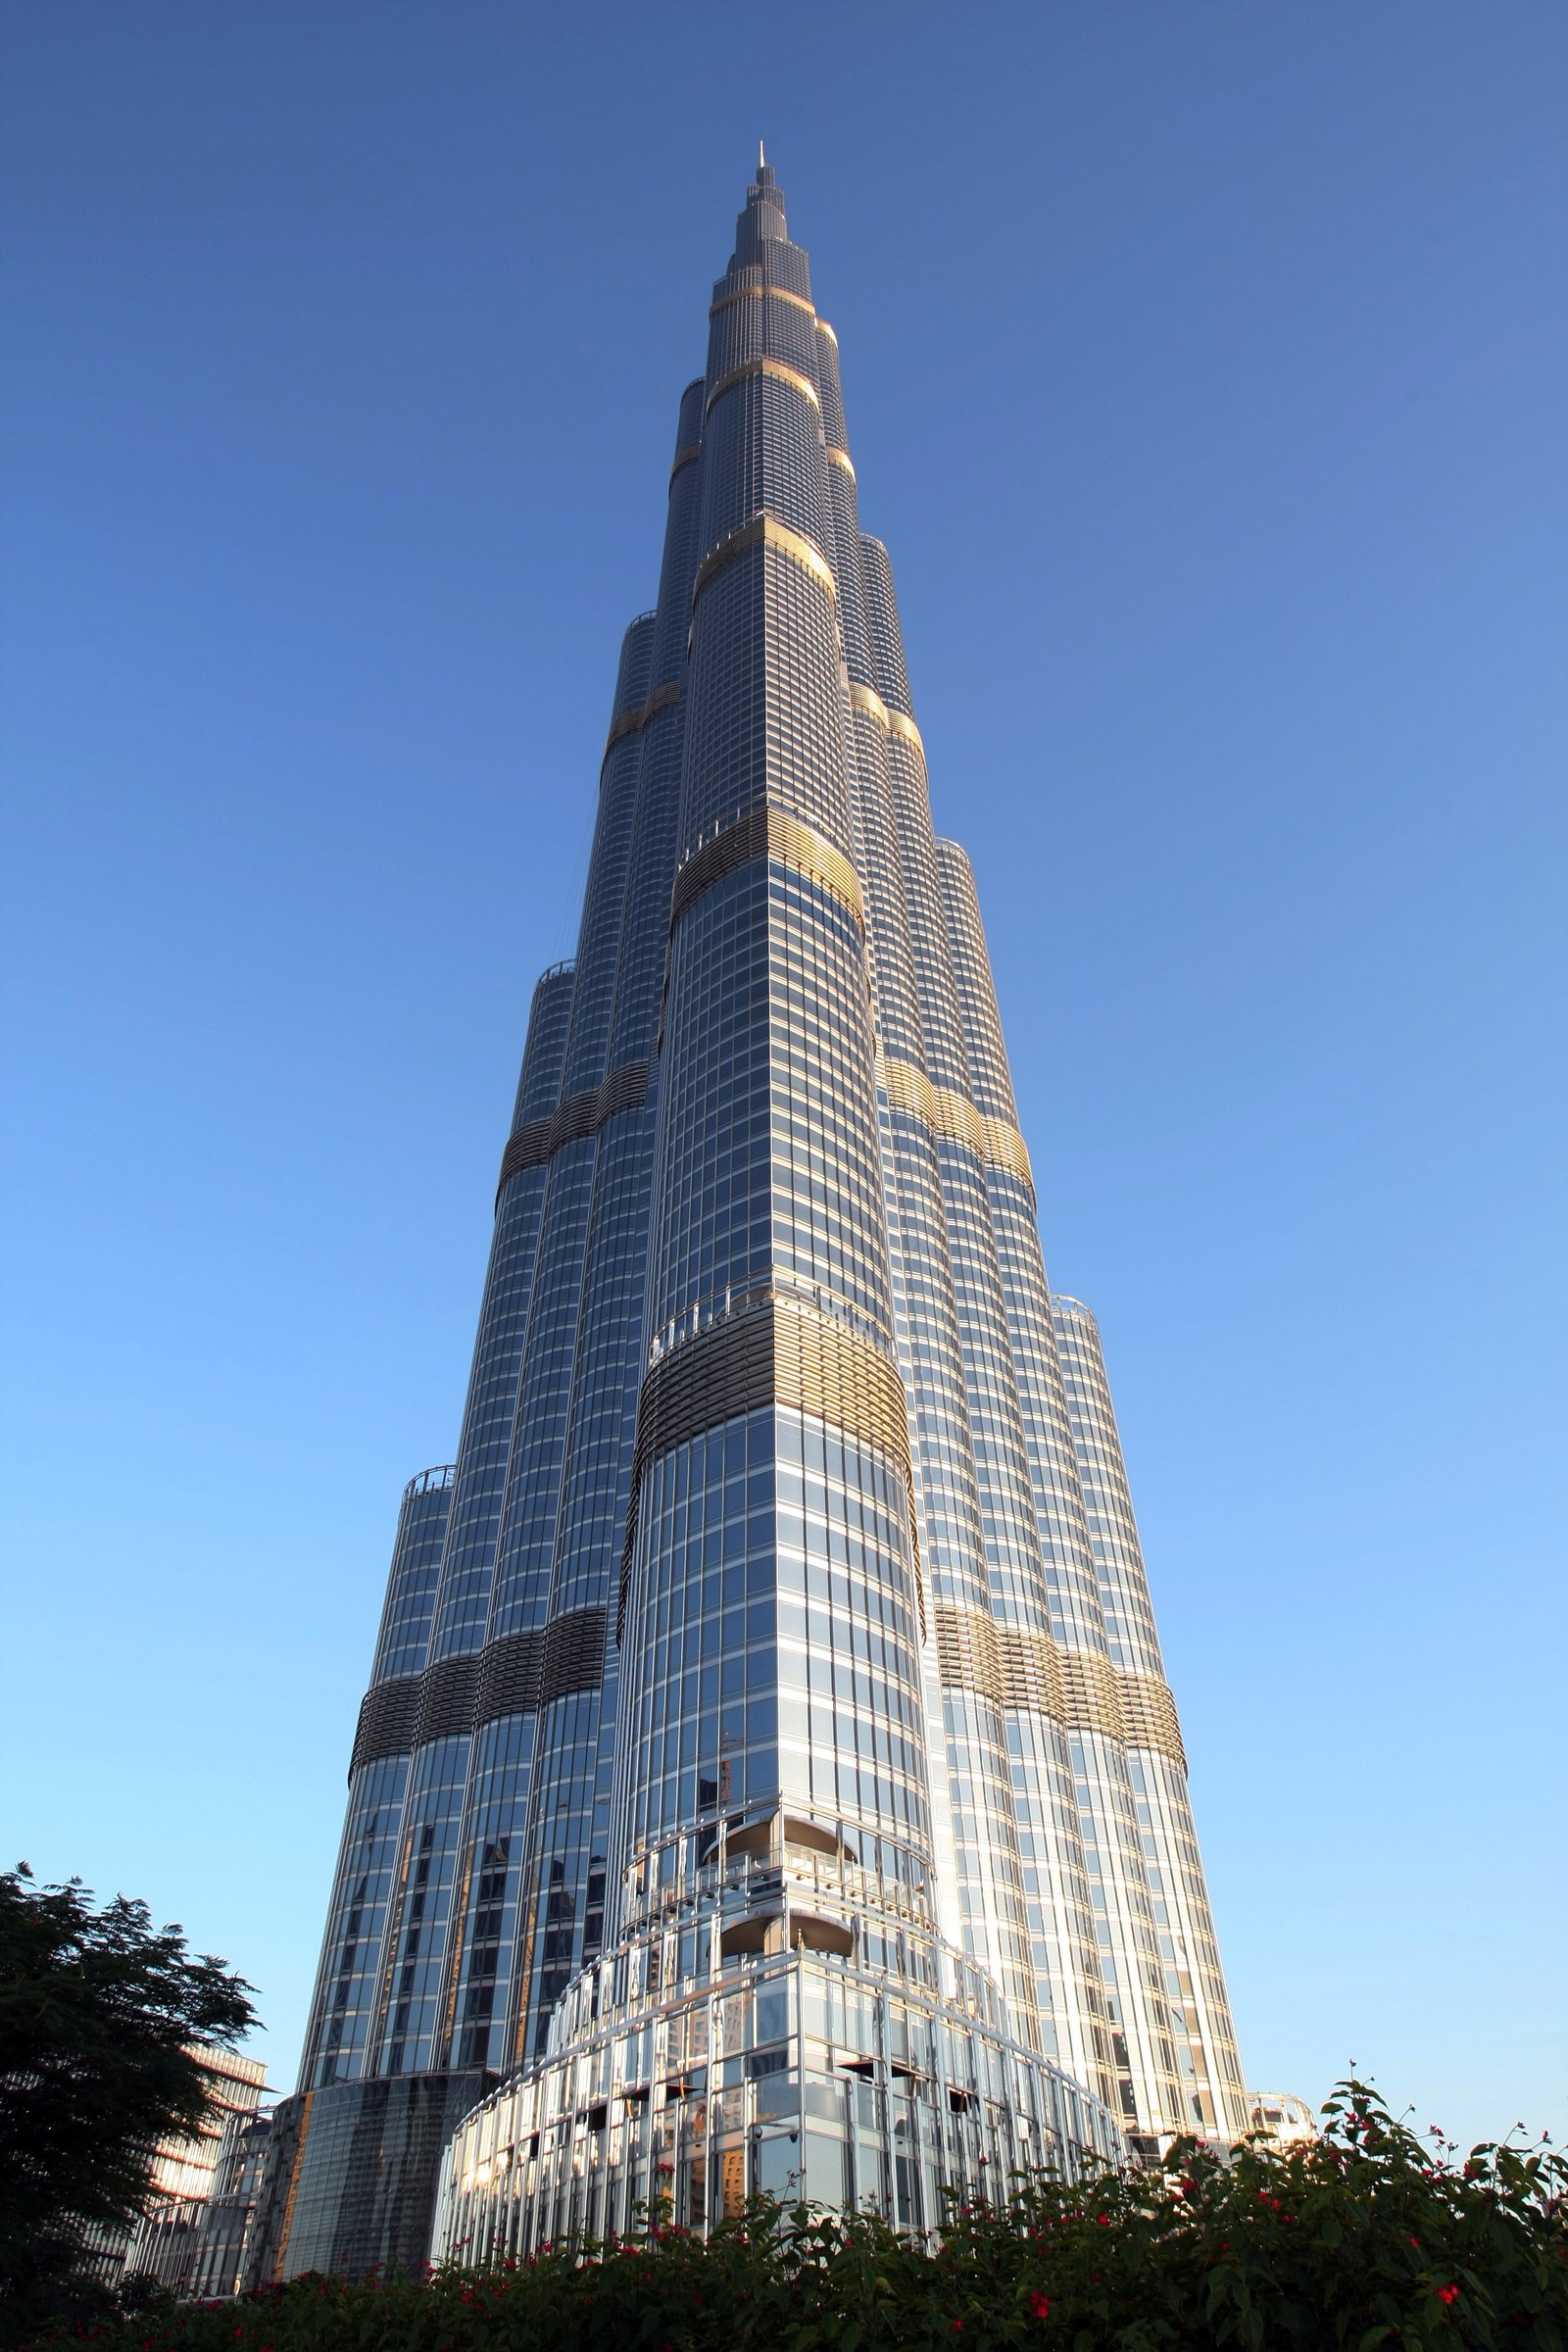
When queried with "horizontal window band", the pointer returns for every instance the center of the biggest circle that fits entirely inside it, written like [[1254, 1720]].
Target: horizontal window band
[[765, 530], [773, 1349], [1078, 1688], [518, 1675], [779, 370], [841, 459], [795, 302], [767, 833], [686, 456], [896, 722], [632, 722], [532, 1145], [952, 1115]]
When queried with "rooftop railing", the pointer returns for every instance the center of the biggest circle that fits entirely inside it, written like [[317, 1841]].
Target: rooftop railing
[[430, 1482]]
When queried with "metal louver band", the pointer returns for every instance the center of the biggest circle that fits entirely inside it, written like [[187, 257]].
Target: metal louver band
[[1080, 1689], [779, 370], [523, 1671], [952, 1116], [388, 1714], [767, 833], [530, 1145], [761, 294], [772, 1351], [517, 1675], [765, 530], [896, 722], [686, 456], [446, 1702], [631, 722], [841, 459]]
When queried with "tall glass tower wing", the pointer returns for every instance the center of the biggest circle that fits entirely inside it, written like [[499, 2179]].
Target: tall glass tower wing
[[769, 1775]]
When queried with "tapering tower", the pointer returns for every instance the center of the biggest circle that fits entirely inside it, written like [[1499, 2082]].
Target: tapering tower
[[767, 1767]]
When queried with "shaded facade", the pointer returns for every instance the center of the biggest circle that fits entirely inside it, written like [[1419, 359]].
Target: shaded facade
[[171, 2240], [230, 2209], [779, 1646]]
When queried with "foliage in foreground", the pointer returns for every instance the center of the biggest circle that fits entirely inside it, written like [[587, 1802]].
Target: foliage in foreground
[[1362, 2241], [96, 2008]]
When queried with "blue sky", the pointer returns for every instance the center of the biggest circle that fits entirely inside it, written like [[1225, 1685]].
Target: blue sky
[[1205, 362]]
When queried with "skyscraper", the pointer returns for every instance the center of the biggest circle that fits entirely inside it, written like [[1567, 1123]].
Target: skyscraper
[[767, 1750]]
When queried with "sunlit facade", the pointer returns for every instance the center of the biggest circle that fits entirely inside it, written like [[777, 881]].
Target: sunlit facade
[[768, 1774], [1282, 2118]]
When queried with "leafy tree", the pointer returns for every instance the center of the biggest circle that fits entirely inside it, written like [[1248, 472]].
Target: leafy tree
[[96, 2010]]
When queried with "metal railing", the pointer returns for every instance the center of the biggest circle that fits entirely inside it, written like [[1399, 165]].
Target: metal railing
[[430, 1482], [719, 1305]]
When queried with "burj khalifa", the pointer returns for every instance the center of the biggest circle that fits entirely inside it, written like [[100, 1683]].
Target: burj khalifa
[[767, 1777]]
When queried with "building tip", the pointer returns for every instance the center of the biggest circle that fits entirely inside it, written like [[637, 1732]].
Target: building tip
[[761, 157]]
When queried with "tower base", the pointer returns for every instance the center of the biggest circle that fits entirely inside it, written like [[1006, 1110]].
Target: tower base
[[792, 2072], [352, 2175]]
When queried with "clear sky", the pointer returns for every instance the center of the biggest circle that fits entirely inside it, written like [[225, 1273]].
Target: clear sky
[[1204, 363]]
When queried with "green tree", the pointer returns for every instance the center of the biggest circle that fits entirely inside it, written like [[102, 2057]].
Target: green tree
[[96, 2009]]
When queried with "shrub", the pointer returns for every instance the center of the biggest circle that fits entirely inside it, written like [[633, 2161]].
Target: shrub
[[1362, 2240]]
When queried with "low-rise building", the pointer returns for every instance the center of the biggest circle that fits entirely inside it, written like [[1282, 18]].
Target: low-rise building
[[167, 2243], [1281, 2117]]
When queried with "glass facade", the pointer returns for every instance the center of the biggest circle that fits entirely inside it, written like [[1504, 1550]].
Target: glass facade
[[197, 2182], [782, 1625], [806, 2075], [230, 2209]]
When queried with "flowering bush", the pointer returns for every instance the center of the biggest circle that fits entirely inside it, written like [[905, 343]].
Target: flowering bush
[[1364, 2238]]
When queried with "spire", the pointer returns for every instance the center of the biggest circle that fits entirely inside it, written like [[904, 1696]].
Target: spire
[[764, 217]]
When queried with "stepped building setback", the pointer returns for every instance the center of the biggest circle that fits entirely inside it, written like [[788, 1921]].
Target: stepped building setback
[[769, 1777]]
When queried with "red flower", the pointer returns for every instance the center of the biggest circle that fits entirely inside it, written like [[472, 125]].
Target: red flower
[[1447, 2294], [957, 2326], [1039, 2304]]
